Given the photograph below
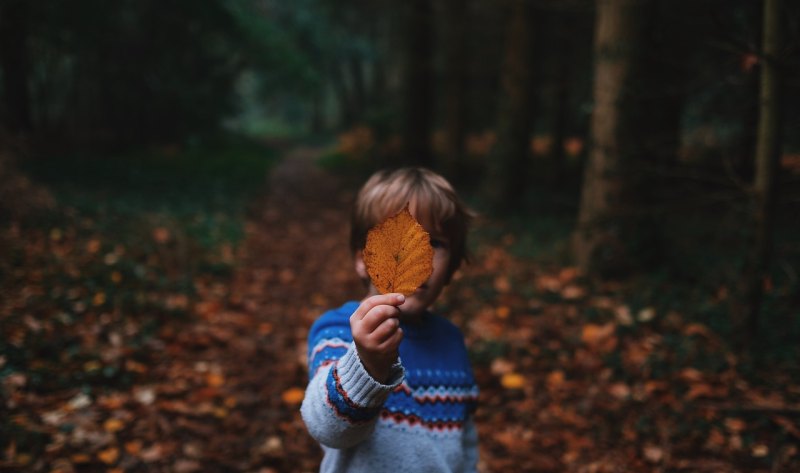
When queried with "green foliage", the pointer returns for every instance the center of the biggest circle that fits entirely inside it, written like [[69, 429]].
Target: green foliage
[[280, 43]]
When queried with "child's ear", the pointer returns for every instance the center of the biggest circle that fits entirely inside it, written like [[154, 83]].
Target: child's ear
[[361, 267]]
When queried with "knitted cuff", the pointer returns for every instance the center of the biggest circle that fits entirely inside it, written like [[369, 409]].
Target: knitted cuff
[[360, 387]]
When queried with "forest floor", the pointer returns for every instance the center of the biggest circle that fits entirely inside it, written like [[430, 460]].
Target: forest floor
[[572, 378]]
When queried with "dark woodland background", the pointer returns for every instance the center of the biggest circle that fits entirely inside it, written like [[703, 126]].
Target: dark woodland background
[[175, 183]]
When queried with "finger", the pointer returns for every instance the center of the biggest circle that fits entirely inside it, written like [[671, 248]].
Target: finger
[[393, 341], [386, 329], [377, 316], [381, 299]]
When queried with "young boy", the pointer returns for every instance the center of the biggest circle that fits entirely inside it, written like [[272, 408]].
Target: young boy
[[391, 386]]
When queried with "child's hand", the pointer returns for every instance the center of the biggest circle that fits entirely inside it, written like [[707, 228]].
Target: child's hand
[[377, 334]]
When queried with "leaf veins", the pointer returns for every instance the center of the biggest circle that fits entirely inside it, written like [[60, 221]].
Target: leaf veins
[[398, 254]]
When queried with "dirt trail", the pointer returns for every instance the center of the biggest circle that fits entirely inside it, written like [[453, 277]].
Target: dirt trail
[[246, 352]]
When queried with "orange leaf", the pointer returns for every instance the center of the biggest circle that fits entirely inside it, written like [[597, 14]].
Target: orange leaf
[[555, 380], [113, 425], [215, 380], [398, 254], [599, 338], [161, 235], [133, 447], [109, 456], [502, 312], [293, 396], [512, 381], [80, 458]]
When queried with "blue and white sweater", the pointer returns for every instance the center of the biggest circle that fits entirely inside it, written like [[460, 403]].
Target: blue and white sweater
[[420, 421]]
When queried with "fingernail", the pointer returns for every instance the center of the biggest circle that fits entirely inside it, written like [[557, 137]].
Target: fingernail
[[401, 298]]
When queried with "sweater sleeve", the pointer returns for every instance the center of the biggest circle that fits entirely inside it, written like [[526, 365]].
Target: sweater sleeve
[[342, 400]]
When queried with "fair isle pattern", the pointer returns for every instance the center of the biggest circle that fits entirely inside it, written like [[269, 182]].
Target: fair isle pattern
[[407, 422], [326, 351], [436, 408], [342, 405], [438, 394], [432, 394]]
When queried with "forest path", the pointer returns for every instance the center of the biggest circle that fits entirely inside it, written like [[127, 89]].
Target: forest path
[[246, 350]]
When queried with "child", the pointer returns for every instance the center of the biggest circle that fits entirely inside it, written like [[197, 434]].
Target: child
[[391, 387]]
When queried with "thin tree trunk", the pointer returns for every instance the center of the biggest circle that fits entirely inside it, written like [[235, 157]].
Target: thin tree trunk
[[670, 39], [605, 220], [510, 158], [418, 83], [561, 118], [359, 97], [456, 70], [767, 153], [14, 63], [346, 114]]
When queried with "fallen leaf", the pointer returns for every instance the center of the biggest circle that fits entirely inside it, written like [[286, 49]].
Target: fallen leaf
[[79, 402], [787, 425], [502, 284], [80, 458], [735, 425], [619, 390], [512, 381], [716, 440], [502, 312], [265, 328], [573, 293], [93, 246], [501, 366], [113, 425], [109, 455], [599, 337], [398, 254], [133, 447], [215, 380], [760, 451], [698, 390], [272, 446], [186, 466], [555, 380], [696, 329], [647, 314], [623, 315], [653, 454], [293, 396], [161, 235]]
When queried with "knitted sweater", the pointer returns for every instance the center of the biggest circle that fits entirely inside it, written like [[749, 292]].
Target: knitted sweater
[[420, 421]]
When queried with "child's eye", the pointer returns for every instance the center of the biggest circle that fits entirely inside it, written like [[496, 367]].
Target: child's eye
[[437, 243]]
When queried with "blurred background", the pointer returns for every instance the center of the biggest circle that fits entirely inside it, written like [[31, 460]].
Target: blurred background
[[175, 184]]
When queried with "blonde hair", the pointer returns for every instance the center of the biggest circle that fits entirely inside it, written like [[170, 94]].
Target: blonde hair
[[431, 199]]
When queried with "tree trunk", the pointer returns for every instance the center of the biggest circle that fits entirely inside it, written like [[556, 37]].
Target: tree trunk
[[767, 152], [510, 157], [671, 37], [346, 112], [606, 219], [561, 111], [359, 99], [418, 83], [14, 63], [455, 87]]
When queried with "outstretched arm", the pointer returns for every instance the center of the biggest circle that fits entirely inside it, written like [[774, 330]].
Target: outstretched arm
[[346, 393]]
